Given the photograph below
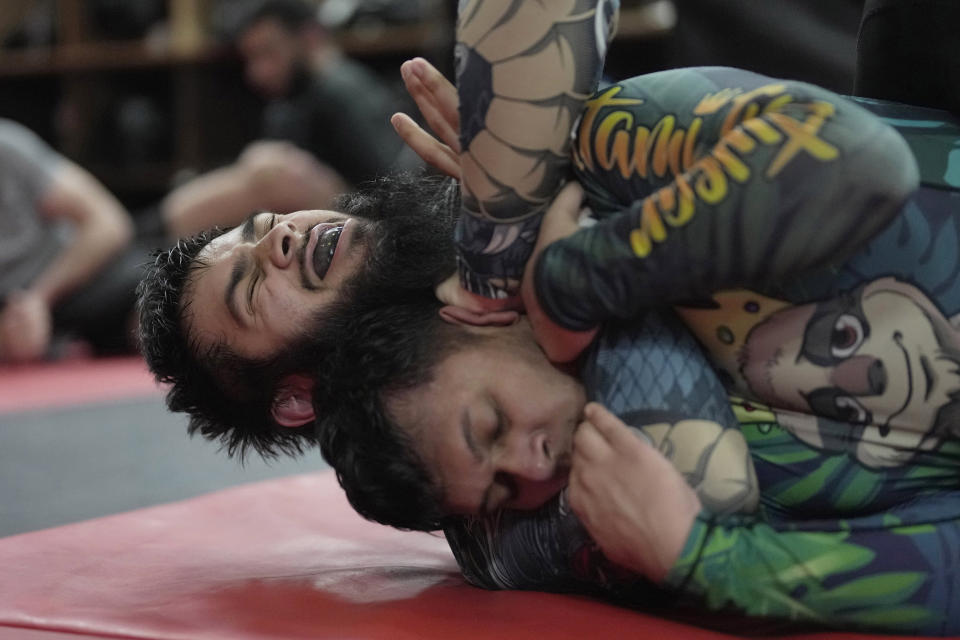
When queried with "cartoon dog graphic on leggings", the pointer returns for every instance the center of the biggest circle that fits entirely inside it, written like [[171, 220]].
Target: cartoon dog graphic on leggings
[[881, 360]]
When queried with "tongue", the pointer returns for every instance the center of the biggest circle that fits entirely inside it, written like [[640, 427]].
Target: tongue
[[323, 254]]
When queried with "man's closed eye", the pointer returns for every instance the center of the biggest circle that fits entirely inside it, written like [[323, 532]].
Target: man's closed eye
[[257, 269]]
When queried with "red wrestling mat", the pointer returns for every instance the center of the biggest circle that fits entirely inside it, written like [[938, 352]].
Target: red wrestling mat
[[284, 558], [73, 382]]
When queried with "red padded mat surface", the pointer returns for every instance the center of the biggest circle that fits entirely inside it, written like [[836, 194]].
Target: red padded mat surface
[[73, 382], [283, 558]]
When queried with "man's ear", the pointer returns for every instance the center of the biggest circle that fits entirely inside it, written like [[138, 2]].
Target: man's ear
[[292, 405], [459, 315]]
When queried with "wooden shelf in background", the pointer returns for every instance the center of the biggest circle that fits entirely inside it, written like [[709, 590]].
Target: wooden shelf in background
[[99, 56], [137, 54]]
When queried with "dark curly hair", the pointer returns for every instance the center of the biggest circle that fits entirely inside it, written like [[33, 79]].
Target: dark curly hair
[[229, 397], [387, 351], [230, 407]]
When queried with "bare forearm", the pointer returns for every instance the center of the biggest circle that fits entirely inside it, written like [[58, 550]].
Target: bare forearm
[[102, 229]]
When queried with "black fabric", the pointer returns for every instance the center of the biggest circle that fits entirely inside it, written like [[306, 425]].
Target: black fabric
[[809, 40], [909, 51]]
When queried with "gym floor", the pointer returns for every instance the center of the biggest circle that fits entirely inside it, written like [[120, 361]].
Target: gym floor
[[81, 440]]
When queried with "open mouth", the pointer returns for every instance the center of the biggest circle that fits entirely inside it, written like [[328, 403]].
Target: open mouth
[[326, 247]]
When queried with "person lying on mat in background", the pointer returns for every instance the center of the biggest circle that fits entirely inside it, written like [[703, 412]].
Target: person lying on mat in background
[[59, 230]]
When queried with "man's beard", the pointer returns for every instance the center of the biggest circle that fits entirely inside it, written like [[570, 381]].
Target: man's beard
[[408, 255]]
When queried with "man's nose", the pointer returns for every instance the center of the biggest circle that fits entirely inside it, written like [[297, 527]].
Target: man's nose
[[533, 470], [278, 245], [527, 456]]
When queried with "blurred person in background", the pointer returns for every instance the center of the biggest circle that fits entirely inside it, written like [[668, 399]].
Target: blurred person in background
[[61, 233]]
